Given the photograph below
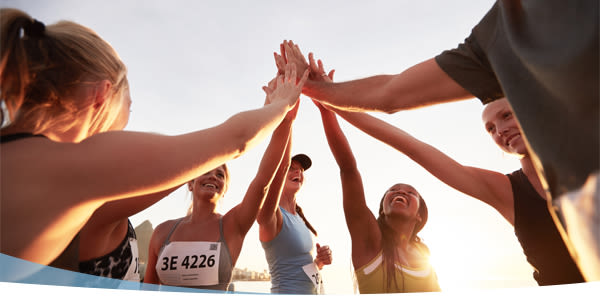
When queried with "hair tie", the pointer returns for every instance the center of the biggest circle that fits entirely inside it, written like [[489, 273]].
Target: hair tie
[[35, 29]]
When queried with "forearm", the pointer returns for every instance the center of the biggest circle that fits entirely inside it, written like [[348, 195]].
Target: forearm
[[338, 143], [152, 163], [465, 179], [420, 85], [271, 203], [356, 95], [274, 153], [260, 186]]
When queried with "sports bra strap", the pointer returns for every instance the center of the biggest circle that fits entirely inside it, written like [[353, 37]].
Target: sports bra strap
[[171, 232], [221, 234]]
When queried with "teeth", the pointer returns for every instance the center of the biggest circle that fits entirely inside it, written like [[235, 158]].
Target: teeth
[[399, 199], [210, 185]]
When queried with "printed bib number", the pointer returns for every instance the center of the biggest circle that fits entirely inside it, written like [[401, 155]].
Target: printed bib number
[[133, 273], [189, 263], [312, 271]]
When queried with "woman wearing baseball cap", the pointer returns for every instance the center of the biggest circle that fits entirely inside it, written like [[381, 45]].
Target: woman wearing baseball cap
[[287, 236]]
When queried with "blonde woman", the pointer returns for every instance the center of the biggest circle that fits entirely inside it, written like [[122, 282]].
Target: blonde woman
[[200, 250], [67, 98]]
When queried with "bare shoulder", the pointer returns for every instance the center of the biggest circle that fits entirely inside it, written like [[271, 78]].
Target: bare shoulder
[[161, 231]]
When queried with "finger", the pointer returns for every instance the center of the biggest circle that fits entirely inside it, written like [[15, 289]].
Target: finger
[[287, 50], [293, 75], [321, 68], [311, 61], [304, 78], [282, 49], [273, 83], [279, 62], [267, 90], [297, 49], [288, 70], [330, 75], [299, 54]]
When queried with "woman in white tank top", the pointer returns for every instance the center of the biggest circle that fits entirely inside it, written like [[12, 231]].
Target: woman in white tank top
[[201, 249]]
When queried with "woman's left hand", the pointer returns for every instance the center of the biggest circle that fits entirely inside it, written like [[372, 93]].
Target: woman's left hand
[[324, 256]]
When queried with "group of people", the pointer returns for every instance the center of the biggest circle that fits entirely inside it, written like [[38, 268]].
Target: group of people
[[66, 101]]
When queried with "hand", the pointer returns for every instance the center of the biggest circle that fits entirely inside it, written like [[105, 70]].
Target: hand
[[271, 85], [324, 256], [317, 72], [290, 54], [286, 88]]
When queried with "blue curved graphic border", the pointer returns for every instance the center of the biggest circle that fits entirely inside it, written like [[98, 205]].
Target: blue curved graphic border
[[17, 270]]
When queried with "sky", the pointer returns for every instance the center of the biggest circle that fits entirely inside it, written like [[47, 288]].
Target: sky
[[193, 64]]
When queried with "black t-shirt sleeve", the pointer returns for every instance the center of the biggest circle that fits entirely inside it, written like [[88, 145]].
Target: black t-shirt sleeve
[[468, 64]]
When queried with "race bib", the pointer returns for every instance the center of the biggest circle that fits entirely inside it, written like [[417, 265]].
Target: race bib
[[189, 263], [312, 271], [133, 273]]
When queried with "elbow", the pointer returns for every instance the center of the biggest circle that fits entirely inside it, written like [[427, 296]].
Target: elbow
[[241, 142]]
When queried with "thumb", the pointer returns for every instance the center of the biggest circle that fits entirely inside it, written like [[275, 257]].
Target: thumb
[[318, 246]]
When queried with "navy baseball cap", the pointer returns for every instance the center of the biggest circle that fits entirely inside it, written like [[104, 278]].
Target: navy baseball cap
[[304, 160]]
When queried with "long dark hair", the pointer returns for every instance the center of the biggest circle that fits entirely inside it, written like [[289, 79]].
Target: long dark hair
[[389, 242], [301, 214]]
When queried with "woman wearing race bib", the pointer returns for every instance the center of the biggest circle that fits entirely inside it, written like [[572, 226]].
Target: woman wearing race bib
[[200, 250], [286, 235], [66, 101]]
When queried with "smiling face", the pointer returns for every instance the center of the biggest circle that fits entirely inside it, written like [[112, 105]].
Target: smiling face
[[401, 200], [501, 124], [212, 184], [295, 177]]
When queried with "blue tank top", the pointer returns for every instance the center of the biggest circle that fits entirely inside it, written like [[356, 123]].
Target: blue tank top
[[286, 254]]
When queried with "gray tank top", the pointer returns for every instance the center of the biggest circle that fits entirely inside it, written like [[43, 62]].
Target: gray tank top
[[225, 262]]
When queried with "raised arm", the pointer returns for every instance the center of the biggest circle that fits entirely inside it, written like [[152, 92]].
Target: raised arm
[[152, 163], [362, 225], [246, 212], [488, 186], [269, 217], [90, 173], [420, 85]]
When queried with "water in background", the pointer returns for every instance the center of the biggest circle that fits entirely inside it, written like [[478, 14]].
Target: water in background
[[332, 289], [252, 286]]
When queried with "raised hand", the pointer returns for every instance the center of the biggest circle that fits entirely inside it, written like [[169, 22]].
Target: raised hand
[[324, 256], [317, 71], [271, 85], [290, 54], [286, 87]]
